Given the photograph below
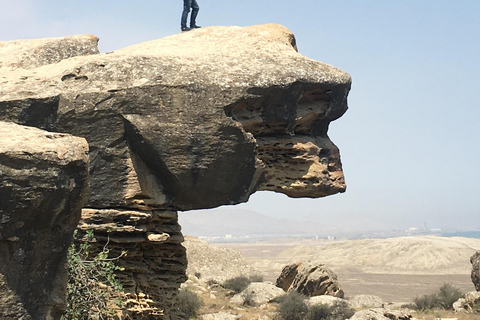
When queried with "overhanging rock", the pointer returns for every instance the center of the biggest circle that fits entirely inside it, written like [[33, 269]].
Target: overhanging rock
[[195, 120]]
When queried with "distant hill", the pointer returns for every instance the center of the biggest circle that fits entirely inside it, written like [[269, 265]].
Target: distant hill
[[240, 223]]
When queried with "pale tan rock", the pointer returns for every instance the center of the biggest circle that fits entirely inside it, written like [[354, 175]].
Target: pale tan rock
[[257, 293]]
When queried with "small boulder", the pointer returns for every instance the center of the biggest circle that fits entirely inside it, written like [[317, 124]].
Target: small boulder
[[363, 301], [382, 314], [475, 274], [310, 280], [326, 300], [467, 303], [257, 293]]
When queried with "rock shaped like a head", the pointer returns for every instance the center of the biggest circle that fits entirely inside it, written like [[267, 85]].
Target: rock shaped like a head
[[195, 120]]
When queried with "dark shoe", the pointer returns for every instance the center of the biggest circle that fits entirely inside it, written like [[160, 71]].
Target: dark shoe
[[185, 29], [194, 27]]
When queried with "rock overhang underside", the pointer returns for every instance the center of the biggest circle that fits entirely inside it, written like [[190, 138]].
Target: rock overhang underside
[[195, 120]]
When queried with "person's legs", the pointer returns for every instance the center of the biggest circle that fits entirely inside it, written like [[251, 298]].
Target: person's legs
[[186, 9], [193, 17]]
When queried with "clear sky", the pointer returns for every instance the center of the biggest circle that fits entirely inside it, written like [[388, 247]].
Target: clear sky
[[410, 139]]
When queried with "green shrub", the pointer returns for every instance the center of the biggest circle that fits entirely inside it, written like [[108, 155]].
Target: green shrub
[[189, 303], [338, 311], [92, 288], [237, 284], [448, 294], [318, 312], [443, 299], [292, 306], [427, 302]]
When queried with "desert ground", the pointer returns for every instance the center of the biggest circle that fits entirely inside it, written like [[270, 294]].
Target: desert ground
[[396, 269]]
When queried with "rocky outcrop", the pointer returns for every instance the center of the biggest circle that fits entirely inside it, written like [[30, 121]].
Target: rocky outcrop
[[468, 304], [43, 186], [309, 280], [195, 120], [363, 301], [475, 274]]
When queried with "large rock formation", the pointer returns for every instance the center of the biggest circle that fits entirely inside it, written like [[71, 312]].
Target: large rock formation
[[43, 187], [475, 274], [310, 280], [195, 120]]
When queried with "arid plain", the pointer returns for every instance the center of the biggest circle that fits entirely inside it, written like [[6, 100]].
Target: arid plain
[[396, 269]]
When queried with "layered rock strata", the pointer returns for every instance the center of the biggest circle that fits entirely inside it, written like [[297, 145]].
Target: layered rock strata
[[195, 120], [43, 187]]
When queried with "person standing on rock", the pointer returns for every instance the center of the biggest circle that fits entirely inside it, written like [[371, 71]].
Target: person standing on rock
[[187, 4]]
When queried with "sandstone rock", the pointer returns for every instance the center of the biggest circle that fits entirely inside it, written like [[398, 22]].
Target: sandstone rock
[[310, 280], [43, 186], [257, 293], [363, 301], [195, 120], [475, 275], [468, 303], [31, 54], [153, 270], [382, 314], [325, 299], [212, 262]]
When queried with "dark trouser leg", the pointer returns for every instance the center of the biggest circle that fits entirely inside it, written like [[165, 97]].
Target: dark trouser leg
[[186, 9], [193, 17]]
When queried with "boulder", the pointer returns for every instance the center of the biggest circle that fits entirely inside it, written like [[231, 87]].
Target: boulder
[[310, 280], [363, 301], [257, 293], [468, 304], [43, 186], [382, 314], [475, 274], [194, 120], [325, 300]]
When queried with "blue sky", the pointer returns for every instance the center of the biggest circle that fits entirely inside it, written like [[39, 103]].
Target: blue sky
[[410, 140]]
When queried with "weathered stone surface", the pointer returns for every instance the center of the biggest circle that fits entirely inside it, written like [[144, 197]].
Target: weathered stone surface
[[382, 314], [363, 301], [195, 120], [221, 316], [259, 293], [43, 186], [34, 53], [468, 304], [325, 299], [309, 280], [475, 274], [153, 268]]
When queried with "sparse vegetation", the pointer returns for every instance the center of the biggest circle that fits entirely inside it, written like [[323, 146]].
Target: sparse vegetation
[[443, 299], [339, 311], [292, 306], [240, 283], [189, 303], [448, 294], [92, 288], [237, 284]]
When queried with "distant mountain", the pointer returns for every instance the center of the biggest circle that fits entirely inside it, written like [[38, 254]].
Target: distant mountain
[[239, 223]]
